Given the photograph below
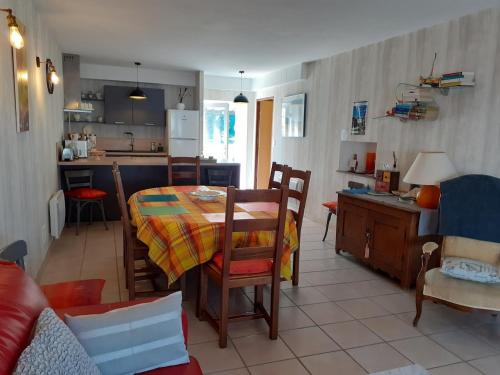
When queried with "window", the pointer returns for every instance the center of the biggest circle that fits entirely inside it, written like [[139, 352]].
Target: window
[[225, 132]]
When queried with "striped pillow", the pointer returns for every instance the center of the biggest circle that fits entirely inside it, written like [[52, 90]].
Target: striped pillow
[[134, 339]]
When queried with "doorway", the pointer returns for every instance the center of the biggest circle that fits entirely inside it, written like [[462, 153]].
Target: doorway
[[263, 142]]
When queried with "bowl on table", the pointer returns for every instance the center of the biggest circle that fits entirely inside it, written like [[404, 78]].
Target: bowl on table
[[207, 195]]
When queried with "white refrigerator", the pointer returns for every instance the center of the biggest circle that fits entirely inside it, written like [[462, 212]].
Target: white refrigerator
[[183, 132]]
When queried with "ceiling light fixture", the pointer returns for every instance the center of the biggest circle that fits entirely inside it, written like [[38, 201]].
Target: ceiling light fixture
[[51, 76], [16, 39], [137, 93], [241, 98]]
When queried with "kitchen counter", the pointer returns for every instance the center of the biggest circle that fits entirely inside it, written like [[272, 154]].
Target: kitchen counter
[[152, 159], [138, 173]]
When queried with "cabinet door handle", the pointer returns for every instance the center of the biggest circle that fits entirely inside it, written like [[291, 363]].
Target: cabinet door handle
[[367, 244], [119, 122], [149, 123]]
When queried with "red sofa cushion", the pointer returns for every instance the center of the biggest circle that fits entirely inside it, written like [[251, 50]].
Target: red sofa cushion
[[192, 368], [74, 293], [86, 193], [244, 267], [21, 301]]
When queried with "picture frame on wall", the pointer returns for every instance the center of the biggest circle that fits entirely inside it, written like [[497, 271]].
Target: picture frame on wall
[[293, 116], [21, 87]]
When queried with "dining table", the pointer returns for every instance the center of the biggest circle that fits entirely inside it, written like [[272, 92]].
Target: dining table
[[182, 231]]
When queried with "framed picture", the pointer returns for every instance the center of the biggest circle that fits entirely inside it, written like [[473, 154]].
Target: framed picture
[[21, 94], [358, 125], [293, 116]]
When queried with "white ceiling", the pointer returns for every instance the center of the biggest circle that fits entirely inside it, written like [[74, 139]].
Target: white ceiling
[[222, 36]]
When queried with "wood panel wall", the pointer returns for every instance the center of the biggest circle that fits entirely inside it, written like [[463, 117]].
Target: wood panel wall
[[468, 128], [28, 170]]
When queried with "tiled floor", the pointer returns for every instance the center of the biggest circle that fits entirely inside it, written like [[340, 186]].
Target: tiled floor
[[343, 318]]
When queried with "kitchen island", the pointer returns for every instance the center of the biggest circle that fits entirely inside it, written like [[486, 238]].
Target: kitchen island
[[138, 173]]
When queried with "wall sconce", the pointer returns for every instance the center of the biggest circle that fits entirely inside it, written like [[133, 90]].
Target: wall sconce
[[16, 39], [50, 73]]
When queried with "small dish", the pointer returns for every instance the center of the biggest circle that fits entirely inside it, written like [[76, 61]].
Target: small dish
[[207, 195]]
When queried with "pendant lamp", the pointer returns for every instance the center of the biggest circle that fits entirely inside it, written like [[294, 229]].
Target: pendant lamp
[[137, 93], [241, 98]]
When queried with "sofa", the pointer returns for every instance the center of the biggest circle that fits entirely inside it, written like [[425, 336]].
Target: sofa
[[21, 302]]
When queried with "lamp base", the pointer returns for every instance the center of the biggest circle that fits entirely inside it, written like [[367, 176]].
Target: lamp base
[[428, 196]]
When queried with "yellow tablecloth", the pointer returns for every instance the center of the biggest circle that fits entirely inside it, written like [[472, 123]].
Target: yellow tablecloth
[[178, 243]]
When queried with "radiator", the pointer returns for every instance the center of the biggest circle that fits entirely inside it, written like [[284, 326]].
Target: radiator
[[57, 209]]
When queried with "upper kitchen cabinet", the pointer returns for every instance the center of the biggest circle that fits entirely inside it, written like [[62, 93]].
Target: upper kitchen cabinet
[[121, 110], [117, 105], [150, 111]]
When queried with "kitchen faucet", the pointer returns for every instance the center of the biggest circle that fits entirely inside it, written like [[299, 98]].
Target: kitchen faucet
[[131, 138]]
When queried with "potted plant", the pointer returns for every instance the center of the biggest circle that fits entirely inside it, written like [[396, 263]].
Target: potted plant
[[182, 94]]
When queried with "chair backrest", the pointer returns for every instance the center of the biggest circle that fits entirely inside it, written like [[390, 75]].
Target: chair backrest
[[462, 247], [304, 178], [219, 177], [122, 203], [193, 163], [276, 225], [15, 252], [79, 178], [284, 169]]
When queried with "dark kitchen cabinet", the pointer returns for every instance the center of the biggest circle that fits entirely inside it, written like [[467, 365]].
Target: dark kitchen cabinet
[[150, 111], [121, 110], [383, 235], [117, 105]]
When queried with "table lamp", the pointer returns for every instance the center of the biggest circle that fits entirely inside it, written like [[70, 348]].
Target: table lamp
[[428, 170]]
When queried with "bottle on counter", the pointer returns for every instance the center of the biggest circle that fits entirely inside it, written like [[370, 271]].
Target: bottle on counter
[[154, 147], [353, 164]]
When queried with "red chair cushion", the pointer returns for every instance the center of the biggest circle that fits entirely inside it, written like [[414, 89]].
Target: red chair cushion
[[243, 267], [332, 205], [74, 293], [21, 301], [86, 193]]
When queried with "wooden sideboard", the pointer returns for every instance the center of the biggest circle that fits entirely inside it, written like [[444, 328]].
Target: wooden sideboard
[[383, 233]]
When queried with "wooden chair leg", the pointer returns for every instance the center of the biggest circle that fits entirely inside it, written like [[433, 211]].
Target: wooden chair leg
[[419, 299], [201, 304], [223, 316], [91, 209], [330, 213], [296, 263], [78, 212], [275, 305], [182, 282], [130, 275], [70, 209], [258, 298]]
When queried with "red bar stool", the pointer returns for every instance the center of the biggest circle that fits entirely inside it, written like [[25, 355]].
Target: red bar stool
[[81, 193], [332, 210]]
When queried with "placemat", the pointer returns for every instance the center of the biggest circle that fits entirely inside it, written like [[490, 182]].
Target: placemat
[[158, 198], [162, 210]]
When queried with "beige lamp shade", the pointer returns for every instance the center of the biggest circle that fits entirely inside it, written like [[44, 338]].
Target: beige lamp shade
[[430, 168]]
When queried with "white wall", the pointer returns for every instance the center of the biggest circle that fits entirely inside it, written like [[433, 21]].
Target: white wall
[[468, 128], [28, 161]]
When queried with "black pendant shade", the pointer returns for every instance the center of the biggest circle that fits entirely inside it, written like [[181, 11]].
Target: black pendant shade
[[241, 98], [137, 93]]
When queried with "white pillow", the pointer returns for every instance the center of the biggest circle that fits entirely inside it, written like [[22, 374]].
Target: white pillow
[[470, 269], [54, 350], [136, 338]]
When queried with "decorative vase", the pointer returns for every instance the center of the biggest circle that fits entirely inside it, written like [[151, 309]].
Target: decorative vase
[[181, 106]]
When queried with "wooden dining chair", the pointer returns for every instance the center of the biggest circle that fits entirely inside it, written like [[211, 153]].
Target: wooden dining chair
[[192, 174], [246, 266], [134, 250], [284, 169], [299, 186]]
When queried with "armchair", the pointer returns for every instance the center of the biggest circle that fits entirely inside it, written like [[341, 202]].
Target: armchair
[[469, 221]]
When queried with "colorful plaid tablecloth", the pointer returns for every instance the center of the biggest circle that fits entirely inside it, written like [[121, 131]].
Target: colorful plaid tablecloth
[[179, 242]]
